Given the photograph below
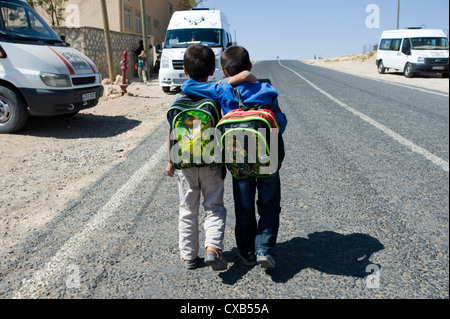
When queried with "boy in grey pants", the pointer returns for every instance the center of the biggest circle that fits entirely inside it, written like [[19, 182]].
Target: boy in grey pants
[[199, 64]]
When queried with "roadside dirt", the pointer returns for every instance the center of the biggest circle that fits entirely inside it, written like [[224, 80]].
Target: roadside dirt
[[45, 165], [365, 65]]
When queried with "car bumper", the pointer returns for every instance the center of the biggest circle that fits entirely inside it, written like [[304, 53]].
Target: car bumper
[[169, 77], [429, 67], [58, 102]]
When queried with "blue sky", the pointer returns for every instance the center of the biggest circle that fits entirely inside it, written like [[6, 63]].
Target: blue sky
[[299, 29]]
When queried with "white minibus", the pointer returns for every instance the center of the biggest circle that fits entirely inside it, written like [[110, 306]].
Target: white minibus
[[39, 73], [412, 51], [207, 27]]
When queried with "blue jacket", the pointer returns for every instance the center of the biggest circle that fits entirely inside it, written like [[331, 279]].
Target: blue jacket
[[251, 93]]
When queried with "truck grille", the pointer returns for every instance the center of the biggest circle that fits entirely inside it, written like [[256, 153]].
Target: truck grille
[[177, 64], [436, 61], [83, 80]]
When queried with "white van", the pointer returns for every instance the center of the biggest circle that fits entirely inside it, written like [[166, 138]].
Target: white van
[[207, 27], [413, 50], [39, 73]]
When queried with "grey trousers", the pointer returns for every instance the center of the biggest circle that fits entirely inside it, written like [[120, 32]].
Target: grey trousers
[[192, 183]]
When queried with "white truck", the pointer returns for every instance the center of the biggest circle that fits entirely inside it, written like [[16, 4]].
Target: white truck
[[413, 50], [39, 73], [207, 27]]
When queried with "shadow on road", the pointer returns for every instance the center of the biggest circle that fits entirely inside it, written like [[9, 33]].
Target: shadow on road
[[79, 126], [328, 252]]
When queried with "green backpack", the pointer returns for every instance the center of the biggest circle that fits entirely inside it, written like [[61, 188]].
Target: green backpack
[[192, 122]]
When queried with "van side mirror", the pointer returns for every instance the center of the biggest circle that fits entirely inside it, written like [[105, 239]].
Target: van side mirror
[[406, 51]]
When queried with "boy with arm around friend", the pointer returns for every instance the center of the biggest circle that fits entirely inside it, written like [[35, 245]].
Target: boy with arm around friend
[[255, 239], [199, 63]]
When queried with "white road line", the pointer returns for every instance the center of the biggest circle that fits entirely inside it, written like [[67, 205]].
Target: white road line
[[433, 158], [407, 86], [56, 268], [395, 83]]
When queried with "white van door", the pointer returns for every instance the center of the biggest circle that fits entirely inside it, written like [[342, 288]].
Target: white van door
[[403, 55]]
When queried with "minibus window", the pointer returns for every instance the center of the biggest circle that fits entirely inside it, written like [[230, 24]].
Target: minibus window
[[429, 43], [406, 47], [21, 23], [182, 38], [390, 44]]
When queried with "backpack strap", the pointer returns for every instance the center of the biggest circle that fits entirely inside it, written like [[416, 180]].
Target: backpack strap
[[242, 106]]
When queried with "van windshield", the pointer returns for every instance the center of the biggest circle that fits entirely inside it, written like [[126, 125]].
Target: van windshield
[[182, 38], [429, 43], [19, 23]]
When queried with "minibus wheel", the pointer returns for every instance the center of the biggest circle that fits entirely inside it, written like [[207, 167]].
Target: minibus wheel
[[408, 71], [13, 111], [381, 68]]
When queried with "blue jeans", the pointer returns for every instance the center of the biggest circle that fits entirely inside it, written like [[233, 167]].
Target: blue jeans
[[254, 237]]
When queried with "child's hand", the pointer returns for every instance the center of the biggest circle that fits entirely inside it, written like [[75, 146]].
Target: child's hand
[[169, 169]]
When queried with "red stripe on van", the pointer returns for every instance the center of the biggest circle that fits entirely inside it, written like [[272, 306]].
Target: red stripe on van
[[65, 62]]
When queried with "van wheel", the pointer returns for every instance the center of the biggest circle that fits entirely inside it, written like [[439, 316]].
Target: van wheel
[[13, 111], [381, 68], [166, 89], [408, 71]]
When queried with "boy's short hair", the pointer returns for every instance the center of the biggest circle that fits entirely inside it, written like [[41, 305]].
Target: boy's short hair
[[235, 59], [199, 61]]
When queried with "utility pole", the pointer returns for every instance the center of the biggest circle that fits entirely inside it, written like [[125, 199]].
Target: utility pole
[[144, 36], [398, 12], [108, 41]]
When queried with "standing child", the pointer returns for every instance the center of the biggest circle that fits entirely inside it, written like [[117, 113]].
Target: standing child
[[199, 63], [142, 61], [255, 240]]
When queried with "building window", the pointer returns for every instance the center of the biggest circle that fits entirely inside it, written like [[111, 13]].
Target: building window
[[127, 17], [170, 8], [156, 23], [148, 25], [138, 22]]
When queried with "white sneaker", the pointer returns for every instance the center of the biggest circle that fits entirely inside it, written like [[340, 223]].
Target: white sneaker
[[265, 261]]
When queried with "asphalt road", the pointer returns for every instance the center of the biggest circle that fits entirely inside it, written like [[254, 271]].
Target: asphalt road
[[364, 208]]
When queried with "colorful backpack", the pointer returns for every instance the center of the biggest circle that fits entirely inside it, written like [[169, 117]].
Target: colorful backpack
[[248, 140], [189, 117]]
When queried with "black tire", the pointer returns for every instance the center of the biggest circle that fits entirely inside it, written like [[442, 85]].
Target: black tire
[[13, 111], [381, 68], [408, 72], [166, 89]]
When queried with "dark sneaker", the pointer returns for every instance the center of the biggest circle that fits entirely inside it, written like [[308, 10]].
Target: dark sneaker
[[265, 261], [249, 259], [190, 264], [214, 258]]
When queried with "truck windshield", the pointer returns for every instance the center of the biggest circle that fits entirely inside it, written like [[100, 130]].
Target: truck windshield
[[429, 43], [182, 38], [19, 23]]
